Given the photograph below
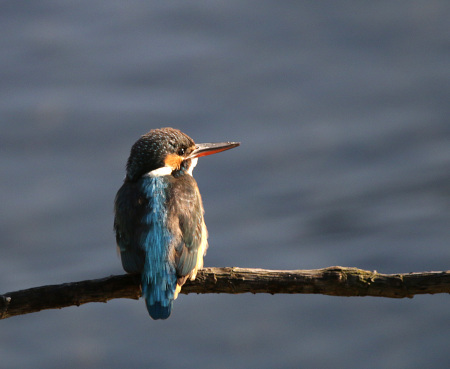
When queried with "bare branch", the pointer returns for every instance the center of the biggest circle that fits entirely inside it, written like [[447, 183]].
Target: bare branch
[[333, 281]]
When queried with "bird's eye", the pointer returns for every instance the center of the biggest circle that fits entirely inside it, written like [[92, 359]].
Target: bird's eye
[[181, 151]]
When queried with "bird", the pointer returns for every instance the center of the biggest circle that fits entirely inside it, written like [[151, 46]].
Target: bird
[[159, 217]]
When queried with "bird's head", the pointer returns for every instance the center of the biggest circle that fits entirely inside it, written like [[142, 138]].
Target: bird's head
[[167, 151]]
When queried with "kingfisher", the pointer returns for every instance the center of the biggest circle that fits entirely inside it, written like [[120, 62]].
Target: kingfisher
[[159, 225]]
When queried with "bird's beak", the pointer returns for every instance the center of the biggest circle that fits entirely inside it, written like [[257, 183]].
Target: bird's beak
[[204, 149]]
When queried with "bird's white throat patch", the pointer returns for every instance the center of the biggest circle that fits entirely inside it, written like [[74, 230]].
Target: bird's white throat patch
[[160, 172], [167, 170], [192, 166]]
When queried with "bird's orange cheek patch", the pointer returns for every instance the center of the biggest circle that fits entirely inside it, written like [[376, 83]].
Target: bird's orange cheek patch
[[173, 161]]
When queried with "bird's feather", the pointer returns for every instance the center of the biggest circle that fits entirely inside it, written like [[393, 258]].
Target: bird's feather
[[129, 206], [187, 205], [161, 234]]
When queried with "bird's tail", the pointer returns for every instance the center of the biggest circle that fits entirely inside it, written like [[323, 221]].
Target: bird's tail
[[159, 292], [157, 311]]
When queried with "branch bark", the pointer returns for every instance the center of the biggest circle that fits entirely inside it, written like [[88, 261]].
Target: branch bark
[[333, 281]]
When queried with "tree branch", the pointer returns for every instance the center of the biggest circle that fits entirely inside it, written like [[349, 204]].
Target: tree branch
[[333, 281]]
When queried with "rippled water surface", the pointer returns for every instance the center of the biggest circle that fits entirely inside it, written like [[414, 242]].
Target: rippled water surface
[[343, 114]]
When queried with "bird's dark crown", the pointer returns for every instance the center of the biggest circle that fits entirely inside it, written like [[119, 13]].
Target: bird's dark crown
[[157, 149]]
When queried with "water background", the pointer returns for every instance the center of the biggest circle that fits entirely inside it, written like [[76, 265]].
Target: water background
[[343, 112]]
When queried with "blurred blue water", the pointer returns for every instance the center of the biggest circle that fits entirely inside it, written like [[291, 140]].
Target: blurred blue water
[[342, 111]]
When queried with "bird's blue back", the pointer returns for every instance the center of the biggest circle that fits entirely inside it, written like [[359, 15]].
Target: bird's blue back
[[159, 279], [158, 224]]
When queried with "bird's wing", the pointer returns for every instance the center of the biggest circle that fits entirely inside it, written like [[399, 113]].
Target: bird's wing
[[189, 211], [129, 208]]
